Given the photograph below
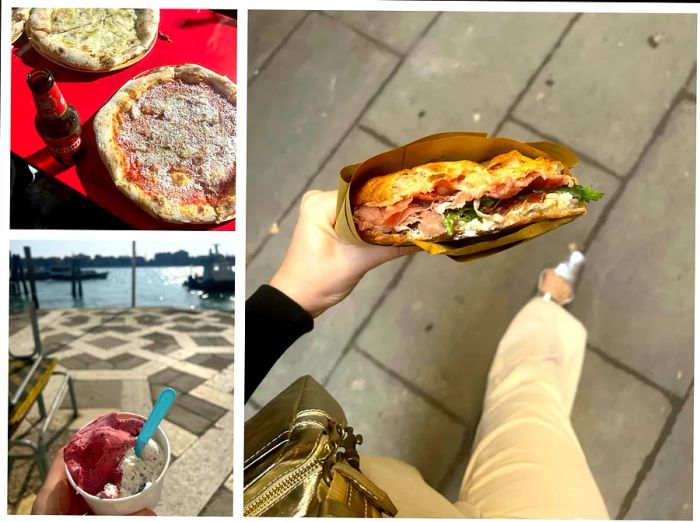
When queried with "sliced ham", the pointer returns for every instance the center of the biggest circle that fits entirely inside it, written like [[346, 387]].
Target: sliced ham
[[431, 224], [386, 217], [447, 195], [511, 187]]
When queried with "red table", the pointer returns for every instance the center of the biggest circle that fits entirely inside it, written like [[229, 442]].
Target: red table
[[195, 36]]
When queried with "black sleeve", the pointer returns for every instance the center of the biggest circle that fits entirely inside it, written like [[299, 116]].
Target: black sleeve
[[273, 322]]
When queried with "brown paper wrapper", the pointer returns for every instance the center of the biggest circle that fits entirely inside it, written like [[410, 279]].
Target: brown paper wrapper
[[449, 146]]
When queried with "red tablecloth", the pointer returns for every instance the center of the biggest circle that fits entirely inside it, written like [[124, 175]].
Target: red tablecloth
[[195, 36]]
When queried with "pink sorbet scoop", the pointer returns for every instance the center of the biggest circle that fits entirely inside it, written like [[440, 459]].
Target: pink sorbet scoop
[[94, 453]]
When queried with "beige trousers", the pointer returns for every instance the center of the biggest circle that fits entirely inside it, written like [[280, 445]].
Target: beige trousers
[[526, 460]]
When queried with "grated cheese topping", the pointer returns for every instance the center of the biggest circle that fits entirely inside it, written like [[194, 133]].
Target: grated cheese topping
[[96, 31], [180, 140]]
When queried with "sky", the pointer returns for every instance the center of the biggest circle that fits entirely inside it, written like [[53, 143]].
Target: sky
[[61, 248]]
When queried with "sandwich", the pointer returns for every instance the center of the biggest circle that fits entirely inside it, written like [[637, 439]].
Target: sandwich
[[454, 200]]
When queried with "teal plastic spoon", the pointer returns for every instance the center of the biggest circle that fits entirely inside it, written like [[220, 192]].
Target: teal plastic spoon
[[158, 413]]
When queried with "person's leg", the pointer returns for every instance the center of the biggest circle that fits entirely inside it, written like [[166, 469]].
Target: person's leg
[[527, 461], [410, 493]]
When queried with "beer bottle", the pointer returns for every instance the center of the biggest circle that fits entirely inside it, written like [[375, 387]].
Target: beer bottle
[[57, 122]]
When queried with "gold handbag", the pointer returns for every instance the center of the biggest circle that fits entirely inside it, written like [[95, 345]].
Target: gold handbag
[[301, 460]]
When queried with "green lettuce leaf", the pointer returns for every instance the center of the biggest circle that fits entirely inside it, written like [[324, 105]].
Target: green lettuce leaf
[[454, 215], [582, 192]]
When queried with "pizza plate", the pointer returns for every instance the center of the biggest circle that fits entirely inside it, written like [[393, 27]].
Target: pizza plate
[[101, 71]]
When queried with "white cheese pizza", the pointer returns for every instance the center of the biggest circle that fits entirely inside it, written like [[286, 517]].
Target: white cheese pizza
[[92, 39]]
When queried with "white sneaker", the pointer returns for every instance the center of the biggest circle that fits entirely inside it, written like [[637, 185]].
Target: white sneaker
[[568, 270]]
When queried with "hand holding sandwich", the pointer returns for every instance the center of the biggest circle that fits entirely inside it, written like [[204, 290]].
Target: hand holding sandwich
[[320, 269]]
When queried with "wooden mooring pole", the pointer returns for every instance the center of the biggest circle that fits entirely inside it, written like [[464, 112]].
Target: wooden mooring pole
[[30, 275], [76, 279], [133, 274]]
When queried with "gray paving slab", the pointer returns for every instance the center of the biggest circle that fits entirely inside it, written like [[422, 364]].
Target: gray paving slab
[[199, 472], [464, 74], [316, 352], [636, 293], [398, 30], [220, 505], [394, 421], [94, 394], [605, 73], [302, 104], [188, 420], [266, 31], [450, 316], [614, 441], [201, 407], [672, 466]]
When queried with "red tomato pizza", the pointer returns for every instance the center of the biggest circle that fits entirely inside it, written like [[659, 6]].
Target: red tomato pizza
[[168, 137]]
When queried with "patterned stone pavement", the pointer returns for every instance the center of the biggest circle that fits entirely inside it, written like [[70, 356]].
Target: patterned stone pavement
[[407, 353], [121, 359]]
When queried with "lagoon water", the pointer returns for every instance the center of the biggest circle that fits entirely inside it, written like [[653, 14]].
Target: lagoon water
[[155, 286]]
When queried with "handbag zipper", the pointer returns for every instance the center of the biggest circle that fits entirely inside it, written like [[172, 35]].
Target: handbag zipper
[[282, 487]]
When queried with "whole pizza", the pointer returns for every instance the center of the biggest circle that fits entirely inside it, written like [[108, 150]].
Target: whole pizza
[[93, 39], [168, 137]]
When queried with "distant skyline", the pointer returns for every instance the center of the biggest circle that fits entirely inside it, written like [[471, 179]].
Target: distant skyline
[[62, 248]]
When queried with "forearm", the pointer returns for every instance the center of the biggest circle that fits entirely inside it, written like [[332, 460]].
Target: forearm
[[273, 323]]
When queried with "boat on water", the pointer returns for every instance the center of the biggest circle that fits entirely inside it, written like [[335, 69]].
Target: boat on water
[[219, 275], [64, 273]]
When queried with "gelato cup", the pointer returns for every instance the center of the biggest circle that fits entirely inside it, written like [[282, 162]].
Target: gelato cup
[[148, 498]]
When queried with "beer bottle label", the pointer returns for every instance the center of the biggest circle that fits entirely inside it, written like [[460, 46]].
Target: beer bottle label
[[51, 105], [64, 148]]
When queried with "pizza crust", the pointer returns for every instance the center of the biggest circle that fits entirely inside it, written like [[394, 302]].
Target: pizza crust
[[91, 39], [108, 121], [19, 17]]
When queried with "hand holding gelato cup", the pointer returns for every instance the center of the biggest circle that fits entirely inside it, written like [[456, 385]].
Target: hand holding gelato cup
[[102, 466]]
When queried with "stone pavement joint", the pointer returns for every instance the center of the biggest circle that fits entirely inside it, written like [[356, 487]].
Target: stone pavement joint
[[658, 132], [581, 154], [377, 135], [689, 97], [533, 77], [363, 34], [335, 148], [672, 397], [412, 387], [648, 463], [375, 306], [274, 52], [671, 466]]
